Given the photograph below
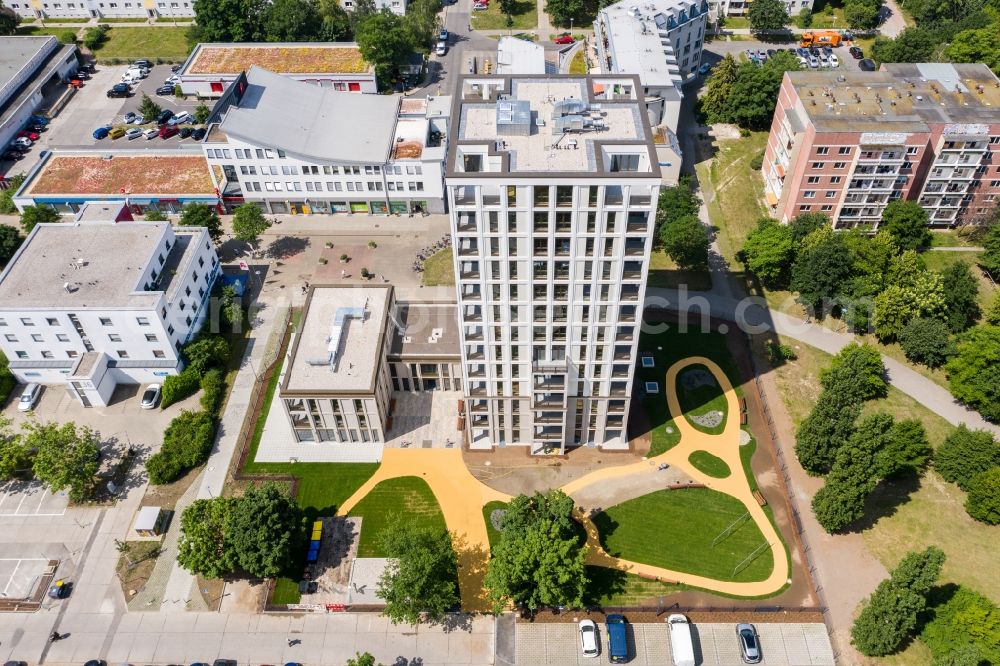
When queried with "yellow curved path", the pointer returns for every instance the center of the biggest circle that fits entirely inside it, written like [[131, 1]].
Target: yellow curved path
[[461, 497], [726, 446]]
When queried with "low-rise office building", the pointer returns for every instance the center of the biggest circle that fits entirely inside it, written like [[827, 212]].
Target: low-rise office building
[[847, 143], [164, 180], [97, 9], [31, 69], [394, 6], [290, 147], [212, 68], [92, 304], [661, 41]]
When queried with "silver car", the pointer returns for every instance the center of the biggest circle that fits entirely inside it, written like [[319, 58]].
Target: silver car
[[749, 643], [29, 397], [150, 397]]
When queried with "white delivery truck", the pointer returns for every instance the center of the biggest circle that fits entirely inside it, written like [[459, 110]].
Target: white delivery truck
[[681, 644]]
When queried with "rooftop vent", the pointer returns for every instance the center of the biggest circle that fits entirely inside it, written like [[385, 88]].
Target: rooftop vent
[[513, 118], [340, 318]]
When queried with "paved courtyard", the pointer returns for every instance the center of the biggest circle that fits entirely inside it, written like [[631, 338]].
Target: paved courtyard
[[649, 645]]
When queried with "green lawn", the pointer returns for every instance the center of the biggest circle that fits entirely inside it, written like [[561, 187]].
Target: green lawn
[[439, 270], [492, 534], [733, 191], [667, 347], [35, 31], [828, 14], [746, 454], [736, 22], [657, 529], [406, 498], [701, 400], [709, 464], [156, 43], [663, 272], [579, 63], [524, 14], [611, 587]]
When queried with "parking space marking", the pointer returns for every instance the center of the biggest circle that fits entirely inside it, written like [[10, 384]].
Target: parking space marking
[[43, 507], [20, 581]]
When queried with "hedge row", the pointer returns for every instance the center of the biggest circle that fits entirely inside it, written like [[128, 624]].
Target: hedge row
[[187, 442], [178, 387]]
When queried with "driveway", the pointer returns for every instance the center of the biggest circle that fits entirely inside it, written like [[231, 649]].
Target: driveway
[[792, 644]]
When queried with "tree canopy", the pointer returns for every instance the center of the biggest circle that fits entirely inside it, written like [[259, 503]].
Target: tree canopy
[[422, 577], [769, 251], [767, 15], [66, 456], [906, 222], [7, 206], [746, 93], [964, 453], [10, 241], [385, 42], [926, 341], [230, 20], [857, 372], [974, 371], [202, 547], [32, 216], [686, 240], [9, 21], [291, 21], [202, 215], [976, 45], [961, 294], [249, 223], [674, 203], [820, 270], [911, 45], [963, 619], [983, 502], [263, 528]]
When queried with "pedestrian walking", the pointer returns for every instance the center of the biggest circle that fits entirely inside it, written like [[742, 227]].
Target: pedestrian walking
[[290, 642], [55, 636]]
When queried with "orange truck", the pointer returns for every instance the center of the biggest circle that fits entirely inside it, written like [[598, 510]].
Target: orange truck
[[820, 38]]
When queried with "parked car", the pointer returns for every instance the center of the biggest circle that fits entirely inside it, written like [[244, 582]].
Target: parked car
[[146, 64], [771, 53], [704, 69], [150, 397], [151, 133], [117, 133], [175, 68], [441, 48], [588, 638], [131, 80], [96, 662], [101, 133], [180, 118], [139, 119], [128, 117], [749, 644], [29, 396], [164, 116], [186, 132], [168, 131], [616, 628], [40, 120], [834, 60], [120, 90], [802, 52], [813, 62], [172, 80], [199, 134], [866, 65], [761, 55], [12, 155], [28, 133], [443, 35], [165, 90], [23, 142], [803, 63], [36, 128], [133, 133], [856, 52], [478, 7], [564, 38]]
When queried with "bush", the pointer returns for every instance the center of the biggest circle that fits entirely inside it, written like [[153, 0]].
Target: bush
[[187, 442], [205, 352], [67, 37], [757, 161], [964, 454], [178, 387], [95, 37], [927, 341], [983, 502], [962, 619], [213, 386]]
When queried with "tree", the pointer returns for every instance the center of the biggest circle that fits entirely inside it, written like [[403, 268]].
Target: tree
[[767, 15], [963, 618], [911, 45], [229, 20], [919, 571], [674, 203], [906, 450], [961, 294], [13, 454], [718, 87], [861, 14], [385, 42], [983, 502], [769, 251], [539, 558], [805, 18], [841, 501], [974, 371], [66, 456], [202, 547], [231, 308], [819, 271], [249, 223], [562, 11], [686, 241], [8, 21], [856, 373], [804, 224], [35, 215], [989, 260], [362, 659], [291, 21], [926, 341], [907, 222], [148, 108], [201, 113], [421, 577], [10, 241], [824, 431], [67, 37], [93, 38], [755, 91], [187, 443], [7, 206], [202, 215], [977, 45], [335, 22], [923, 295], [206, 351], [964, 454], [263, 529]]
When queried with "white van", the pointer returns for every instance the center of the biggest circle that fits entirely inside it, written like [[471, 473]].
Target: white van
[[681, 644], [137, 72]]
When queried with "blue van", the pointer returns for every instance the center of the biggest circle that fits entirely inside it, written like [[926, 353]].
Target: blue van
[[617, 638]]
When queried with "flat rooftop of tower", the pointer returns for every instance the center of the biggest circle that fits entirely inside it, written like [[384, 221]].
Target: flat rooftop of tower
[[899, 97], [338, 346], [551, 124]]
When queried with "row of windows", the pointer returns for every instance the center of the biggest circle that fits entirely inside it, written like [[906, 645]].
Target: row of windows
[[52, 321], [293, 170], [316, 186], [61, 337], [72, 353]]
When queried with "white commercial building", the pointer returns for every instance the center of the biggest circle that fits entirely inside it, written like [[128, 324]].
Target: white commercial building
[[519, 56], [92, 304], [717, 8], [31, 69], [659, 40], [395, 6], [552, 186], [211, 68], [47, 9], [290, 147]]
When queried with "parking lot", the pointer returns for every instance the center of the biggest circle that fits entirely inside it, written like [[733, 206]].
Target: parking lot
[[29, 498], [717, 49], [18, 577], [715, 644]]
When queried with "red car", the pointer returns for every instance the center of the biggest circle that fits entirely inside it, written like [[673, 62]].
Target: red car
[[168, 131], [31, 135], [564, 38]]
